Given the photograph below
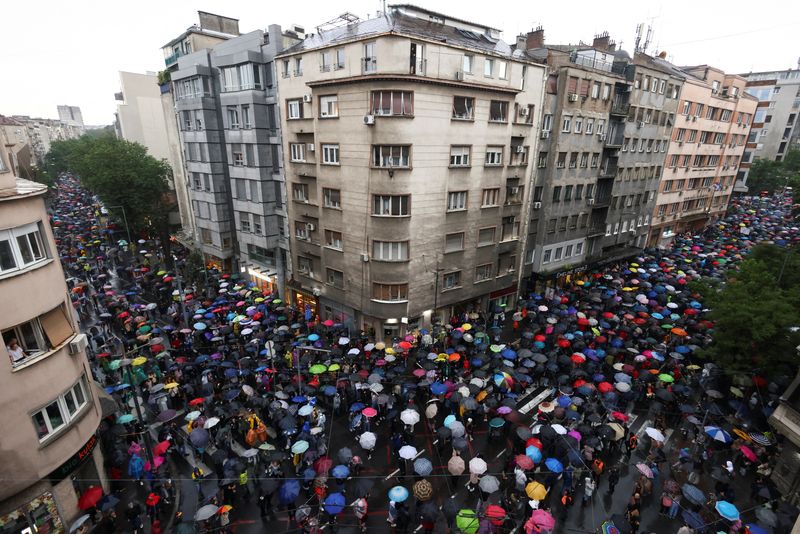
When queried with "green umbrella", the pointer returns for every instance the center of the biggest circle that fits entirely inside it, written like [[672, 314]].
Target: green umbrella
[[114, 365], [495, 348], [281, 317], [162, 354], [145, 329], [669, 379], [277, 301], [496, 422], [666, 326], [317, 369], [467, 521], [334, 367]]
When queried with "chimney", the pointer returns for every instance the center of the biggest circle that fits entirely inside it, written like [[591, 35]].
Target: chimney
[[535, 39], [602, 42]]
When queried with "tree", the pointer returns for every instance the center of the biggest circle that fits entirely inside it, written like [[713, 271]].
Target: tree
[[769, 175], [757, 313], [125, 178]]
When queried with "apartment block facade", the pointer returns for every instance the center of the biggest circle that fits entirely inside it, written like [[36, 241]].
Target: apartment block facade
[[408, 141], [705, 152], [775, 125]]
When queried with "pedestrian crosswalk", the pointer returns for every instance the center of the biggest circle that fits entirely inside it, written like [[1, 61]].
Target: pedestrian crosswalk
[[540, 394]]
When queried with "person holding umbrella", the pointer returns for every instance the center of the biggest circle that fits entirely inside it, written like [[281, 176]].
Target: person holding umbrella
[[360, 507]]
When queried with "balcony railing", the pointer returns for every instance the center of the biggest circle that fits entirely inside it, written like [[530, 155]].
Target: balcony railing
[[369, 65], [609, 168], [620, 106], [590, 62], [171, 60]]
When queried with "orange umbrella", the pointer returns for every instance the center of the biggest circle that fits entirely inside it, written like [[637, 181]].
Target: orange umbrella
[[679, 332]]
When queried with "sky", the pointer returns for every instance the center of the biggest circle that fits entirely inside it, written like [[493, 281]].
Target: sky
[[54, 52]]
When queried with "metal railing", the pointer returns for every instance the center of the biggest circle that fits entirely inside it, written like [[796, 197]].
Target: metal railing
[[369, 65]]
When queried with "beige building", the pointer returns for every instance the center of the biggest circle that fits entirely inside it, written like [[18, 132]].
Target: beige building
[[708, 139], [51, 410], [407, 142], [18, 147], [140, 115]]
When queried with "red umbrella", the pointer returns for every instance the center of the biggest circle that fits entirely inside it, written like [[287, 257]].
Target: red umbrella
[[104, 355], [524, 461], [90, 497], [123, 315], [604, 387], [577, 357], [535, 442], [539, 337], [323, 465], [328, 323], [495, 514], [759, 381], [578, 383], [563, 343], [404, 345], [369, 412], [161, 448], [748, 453], [619, 416], [583, 321], [197, 401]]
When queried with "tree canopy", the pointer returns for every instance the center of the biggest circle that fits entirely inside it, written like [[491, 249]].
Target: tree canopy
[[123, 176], [757, 313], [768, 175]]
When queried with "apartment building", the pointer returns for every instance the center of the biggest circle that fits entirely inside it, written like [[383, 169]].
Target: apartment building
[[18, 147], [139, 117], [71, 115], [408, 140], [704, 155], [42, 133], [592, 193], [226, 106], [774, 131], [51, 412]]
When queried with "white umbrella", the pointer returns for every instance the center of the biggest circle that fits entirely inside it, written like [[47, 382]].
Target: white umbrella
[[206, 512], [409, 417], [431, 411], [249, 453], [464, 390], [353, 352], [477, 466], [457, 429], [623, 387], [559, 429], [655, 434], [248, 390], [377, 387], [367, 440], [79, 522], [407, 452], [211, 422]]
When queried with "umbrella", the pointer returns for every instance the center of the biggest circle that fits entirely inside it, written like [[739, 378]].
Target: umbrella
[[90, 497], [554, 465], [166, 415], [423, 490], [423, 467], [334, 503], [645, 470], [543, 519], [692, 519], [407, 452], [125, 419], [727, 510], [467, 521], [655, 434], [398, 494], [340, 471], [524, 462], [367, 440], [718, 434], [78, 522], [409, 417], [206, 512], [766, 516], [289, 491], [536, 491], [199, 437], [455, 466], [477, 466], [211, 422], [748, 453], [161, 448], [489, 484], [693, 494]]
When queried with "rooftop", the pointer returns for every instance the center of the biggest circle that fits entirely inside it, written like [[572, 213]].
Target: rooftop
[[8, 121], [21, 188]]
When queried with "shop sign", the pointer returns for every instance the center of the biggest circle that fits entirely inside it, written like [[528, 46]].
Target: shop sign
[[74, 462]]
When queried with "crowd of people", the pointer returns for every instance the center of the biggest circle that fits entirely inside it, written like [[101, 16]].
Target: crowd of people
[[473, 425]]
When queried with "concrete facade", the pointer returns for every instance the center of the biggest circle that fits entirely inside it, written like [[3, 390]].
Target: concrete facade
[[70, 115], [140, 114], [407, 167], [708, 139], [42, 133], [775, 126], [18, 147], [52, 411]]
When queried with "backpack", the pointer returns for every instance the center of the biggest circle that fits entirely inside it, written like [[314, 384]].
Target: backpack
[[252, 437]]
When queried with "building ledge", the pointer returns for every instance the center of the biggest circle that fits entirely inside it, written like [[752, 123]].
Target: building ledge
[[22, 189], [411, 78]]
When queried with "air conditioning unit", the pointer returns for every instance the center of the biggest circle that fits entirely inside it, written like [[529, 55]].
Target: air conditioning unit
[[537, 205], [629, 89], [513, 191], [365, 257], [369, 120], [590, 202], [509, 220], [573, 97], [519, 149], [310, 227], [523, 112], [460, 75], [640, 124], [310, 147], [632, 230], [545, 134], [78, 344], [307, 98]]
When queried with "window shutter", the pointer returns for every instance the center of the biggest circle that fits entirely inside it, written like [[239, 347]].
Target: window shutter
[[56, 326], [572, 86]]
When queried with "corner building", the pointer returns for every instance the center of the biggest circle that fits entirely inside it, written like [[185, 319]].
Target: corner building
[[408, 142], [51, 409]]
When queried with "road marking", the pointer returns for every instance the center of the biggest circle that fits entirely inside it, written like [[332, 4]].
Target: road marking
[[536, 400], [393, 473]]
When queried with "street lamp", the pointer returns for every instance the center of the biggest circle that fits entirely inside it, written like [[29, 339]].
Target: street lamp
[[125, 219]]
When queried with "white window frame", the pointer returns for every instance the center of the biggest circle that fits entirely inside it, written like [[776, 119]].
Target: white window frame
[[457, 201], [494, 156], [330, 154], [327, 199], [502, 69], [589, 126], [488, 67], [460, 155], [390, 251], [329, 106], [490, 195], [13, 237], [547, 122], [294, 109], [297, 152], [487, 242], [566, 123], [300, 192], [68, 417], [451, 280], [387, 205], [331, 240], [484, 272], [453, 235], [467, 62], [391, 156]]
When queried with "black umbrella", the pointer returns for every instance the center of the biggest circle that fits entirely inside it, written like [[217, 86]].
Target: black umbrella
[[269, 485], [363, 487]]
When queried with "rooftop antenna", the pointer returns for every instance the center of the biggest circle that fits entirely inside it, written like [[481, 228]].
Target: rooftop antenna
[[648, 38], [639, 30]]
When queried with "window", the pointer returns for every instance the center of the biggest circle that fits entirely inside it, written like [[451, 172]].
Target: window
[[568, 251], [579, 248], [390, 250], [568, 193], [61, 412], [595, 159], [302, 230], [494, 156], [483, 272], [486, 236], [661, 86], [244, 222], [330, 154], [297, 151], [328, 106], [454, 242], [459, 155], [578, 125], [686, 107], [596, 90], [305, 266], [551, 225], [547, 122], [502, 68], [498, 111], [456, 201], [300, 192], [573, 160], [390, 205], [578, 191], [294, 108], [510, 230], [561, 162], [332, 198], [698, 110], [390, 156], [390, 292], [333, 239], [241, 77], [558, 253], [566, 123], [463, 108], [339, 59], [335, 278], [589, 126], [584, 160], [257, 226], [233, 118], [547, 256], [542, 162], [21, 247], [488, 67], [557, 193], [246, 119], [298, 66], [285, 70], [490, 197], [393, 103], [601, 126], [466, 63], [451, 280], [237, 155], [514, 191]]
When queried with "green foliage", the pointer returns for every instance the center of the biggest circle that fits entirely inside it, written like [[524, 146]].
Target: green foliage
[[193, 270], [164, 76], [756, 313], [100, 132], [767, 175]]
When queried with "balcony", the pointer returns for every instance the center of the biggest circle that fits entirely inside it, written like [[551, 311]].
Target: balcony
[[596, 230], [609, 168], [172, 59], [615, 137], [620, 106], [369, 65]]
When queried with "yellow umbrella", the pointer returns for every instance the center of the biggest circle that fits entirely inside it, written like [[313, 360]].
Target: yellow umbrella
[[466, 327], [737, 392], [141, 360], [380, 345], [742, 434], [171, 385], [161, 273], [390, 350], [693, 367], [536, 491]]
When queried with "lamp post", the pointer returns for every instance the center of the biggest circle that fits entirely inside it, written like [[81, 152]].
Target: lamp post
[[125, 219], [137, 407]]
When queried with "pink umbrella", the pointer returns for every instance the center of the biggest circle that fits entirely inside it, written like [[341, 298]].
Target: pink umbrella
[[748, 453], [575, 434], [541, 518], [369, 412], [135, 448], [418, 373], [328, 323]]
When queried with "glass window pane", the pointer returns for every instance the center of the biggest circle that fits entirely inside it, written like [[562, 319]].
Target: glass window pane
[[70, 401], [7, 260], [25, 249], [54, 415], [41, 426]]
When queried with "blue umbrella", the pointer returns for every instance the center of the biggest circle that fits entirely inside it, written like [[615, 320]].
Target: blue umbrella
[[340, 471], [554, 465], [437, 388], [449, 420], [533, 453], [230, 373], [564, 401], [692, 519], [334, 503], [693, 494], [755, 529], [201, 359], [329, 391], [309, 475], [109, 389], [727, 510], [121, 387], [356, 407], [622, 377], [398, 494], [200, 326], [508, 354], [423, 467], [124, 419], [289, 491], [683, 349], [718, 434], [298, 399], [313, 337], [230, 394]]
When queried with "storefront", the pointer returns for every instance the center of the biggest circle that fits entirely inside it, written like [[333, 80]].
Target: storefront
[[304, 301], [264, 280], [38, 516], [338, 313], [503, 299]]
